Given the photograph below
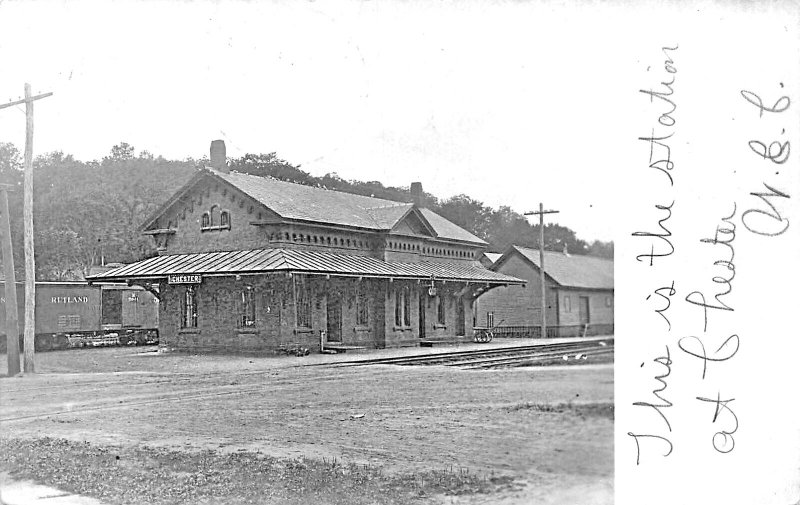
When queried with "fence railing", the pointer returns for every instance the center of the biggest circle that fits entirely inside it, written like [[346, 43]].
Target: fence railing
[[575, 330]]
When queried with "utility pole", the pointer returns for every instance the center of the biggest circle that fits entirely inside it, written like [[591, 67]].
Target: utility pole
[[541, 212], [12, 324], [30, 266]]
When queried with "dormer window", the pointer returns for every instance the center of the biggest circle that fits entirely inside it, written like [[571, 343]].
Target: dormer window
[[215, 218]]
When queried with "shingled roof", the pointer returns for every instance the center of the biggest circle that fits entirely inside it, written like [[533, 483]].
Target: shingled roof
[[574, 271], [306, 203]]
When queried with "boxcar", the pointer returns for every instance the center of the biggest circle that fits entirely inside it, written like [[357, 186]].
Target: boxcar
[[130, 311], [75, 314]]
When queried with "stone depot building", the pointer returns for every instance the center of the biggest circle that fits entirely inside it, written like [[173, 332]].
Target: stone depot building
[[250, 263]]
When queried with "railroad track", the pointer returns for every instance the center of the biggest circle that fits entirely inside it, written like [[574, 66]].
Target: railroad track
[[588, 355], [498, 357]]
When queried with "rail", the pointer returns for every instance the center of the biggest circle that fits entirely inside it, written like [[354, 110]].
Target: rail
[[489, 358]]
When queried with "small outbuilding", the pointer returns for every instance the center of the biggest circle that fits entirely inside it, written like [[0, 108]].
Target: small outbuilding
[[250, 263], [579, 293]]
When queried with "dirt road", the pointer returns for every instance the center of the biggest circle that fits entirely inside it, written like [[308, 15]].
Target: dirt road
[[549, 428]]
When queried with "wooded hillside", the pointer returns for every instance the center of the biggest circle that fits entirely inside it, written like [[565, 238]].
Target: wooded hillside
[[87, 213]]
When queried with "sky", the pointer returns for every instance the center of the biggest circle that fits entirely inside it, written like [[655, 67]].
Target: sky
[[504, 101]]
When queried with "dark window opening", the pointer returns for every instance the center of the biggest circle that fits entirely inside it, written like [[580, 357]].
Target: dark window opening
[[362, 305], [303, 301], [247, 308], [440, 310], [189, 308], [112, 306], [402, 307]]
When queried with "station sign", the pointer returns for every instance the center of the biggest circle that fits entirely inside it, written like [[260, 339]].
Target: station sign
[[184, 279]]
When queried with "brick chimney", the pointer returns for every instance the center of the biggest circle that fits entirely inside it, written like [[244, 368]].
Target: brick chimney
[[416, 193], [566, 252], [218, 158]]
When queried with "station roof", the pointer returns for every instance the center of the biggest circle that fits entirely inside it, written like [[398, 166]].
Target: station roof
[[257, 261], [573, 271], [298, 202]]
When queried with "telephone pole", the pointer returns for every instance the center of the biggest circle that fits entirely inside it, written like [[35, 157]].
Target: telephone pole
[[12, 324], [30, 266], [541, 212]]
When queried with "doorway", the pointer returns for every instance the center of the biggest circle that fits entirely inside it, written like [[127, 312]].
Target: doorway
[[583, 310], [334, 313], [460, 316], [422, 304]]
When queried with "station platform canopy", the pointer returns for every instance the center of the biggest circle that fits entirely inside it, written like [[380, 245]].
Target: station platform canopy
[[262, 261]]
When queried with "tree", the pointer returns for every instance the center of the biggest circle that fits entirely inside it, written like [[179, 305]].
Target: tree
[[469, 214], [12, 172], [122, 152], [95, 209], [602, 249], [11, 168], [269, 165], [508, 227], [87, 212]]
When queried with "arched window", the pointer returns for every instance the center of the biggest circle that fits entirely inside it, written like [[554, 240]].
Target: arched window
[[215, 219]]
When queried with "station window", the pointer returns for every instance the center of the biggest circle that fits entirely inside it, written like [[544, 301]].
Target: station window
[[567, 304], [440, 310], [303, 301], [362, 305], [608, 301], [402, 307], [189, 308], [247, 308], [215, 219]]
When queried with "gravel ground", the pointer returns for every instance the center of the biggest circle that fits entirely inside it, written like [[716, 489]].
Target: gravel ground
[[237, 429]]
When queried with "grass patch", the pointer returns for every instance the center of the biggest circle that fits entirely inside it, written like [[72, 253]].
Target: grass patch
[[146, 475], [594, 410]]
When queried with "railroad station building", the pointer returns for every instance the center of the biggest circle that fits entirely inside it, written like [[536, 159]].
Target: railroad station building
[[250, 263], [579, 292]]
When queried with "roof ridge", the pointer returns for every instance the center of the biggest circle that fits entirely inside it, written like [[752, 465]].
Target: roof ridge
[[394, 204], [560, 253], [275, 179]]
